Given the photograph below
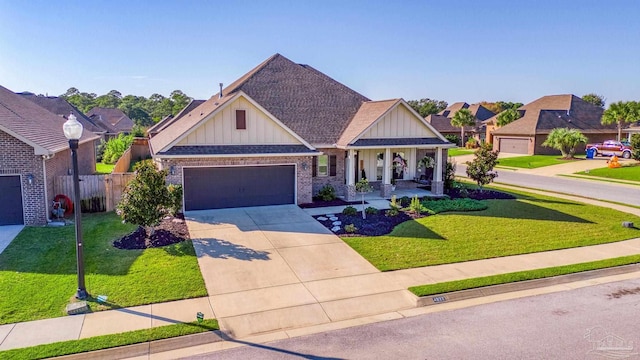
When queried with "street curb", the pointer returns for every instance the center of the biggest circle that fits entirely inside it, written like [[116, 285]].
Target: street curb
[[443, 298], [149, 348]]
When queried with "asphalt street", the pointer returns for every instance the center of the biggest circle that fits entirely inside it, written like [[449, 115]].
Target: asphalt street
[[626, 194], [596, 322]]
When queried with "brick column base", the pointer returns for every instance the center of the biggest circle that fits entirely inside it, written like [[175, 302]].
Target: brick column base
[[385, 190], [437, 187], [350, 193]]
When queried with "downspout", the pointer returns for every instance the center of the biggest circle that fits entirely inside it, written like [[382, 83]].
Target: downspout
[[44, 172]]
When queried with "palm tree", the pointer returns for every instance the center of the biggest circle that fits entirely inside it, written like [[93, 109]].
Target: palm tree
[[463, 118], [620, 113], [566, 140]]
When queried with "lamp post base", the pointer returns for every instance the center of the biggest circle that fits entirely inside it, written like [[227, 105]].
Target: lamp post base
[[81, 294]]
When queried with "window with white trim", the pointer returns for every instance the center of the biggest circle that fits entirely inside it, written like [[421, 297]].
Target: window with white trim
[[323, 165]]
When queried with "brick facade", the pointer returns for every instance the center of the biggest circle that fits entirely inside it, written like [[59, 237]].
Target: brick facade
[[303, 180], [338, 181], [17, 158]]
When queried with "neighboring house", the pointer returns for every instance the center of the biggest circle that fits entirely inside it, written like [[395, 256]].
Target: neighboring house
[[284, 130], [170, 119], [111, 117], [540, 117], [442, 120], [633, 128], [33, 151], [62, 107]]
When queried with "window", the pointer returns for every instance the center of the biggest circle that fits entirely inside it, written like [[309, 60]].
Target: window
[[323, 165], [241, 120], [379, 165]]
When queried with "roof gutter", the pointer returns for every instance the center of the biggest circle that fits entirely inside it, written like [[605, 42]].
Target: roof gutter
[[222, 156]]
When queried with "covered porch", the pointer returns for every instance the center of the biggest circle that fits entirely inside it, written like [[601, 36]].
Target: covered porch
[[391, 169]]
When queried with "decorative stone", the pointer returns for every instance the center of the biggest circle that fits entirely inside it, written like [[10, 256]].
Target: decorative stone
[[335, 228], [627, 224], [333, 218], [330, 215], [79, 307], [337, 223], [322, 218]]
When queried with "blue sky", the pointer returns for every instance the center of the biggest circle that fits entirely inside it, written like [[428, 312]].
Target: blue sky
[[447, 50]]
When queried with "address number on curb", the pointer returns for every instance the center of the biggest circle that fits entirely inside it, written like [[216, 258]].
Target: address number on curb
[[439, 299]]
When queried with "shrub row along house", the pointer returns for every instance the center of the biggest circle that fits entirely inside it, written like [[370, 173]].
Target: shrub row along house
[[284, 130], [33, 151]]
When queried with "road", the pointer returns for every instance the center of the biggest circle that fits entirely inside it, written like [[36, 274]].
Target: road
[[626, 194], [563, 325]]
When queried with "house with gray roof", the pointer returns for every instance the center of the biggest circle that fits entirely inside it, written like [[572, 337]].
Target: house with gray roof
[[33, 152], [112, 118], [284, 130], [170, 119], [442, 120], [538, 118]]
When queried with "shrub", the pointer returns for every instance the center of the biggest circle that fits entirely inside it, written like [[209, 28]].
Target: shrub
[[350, 228], [404, 201], [115, 147], [393, 203], [452, 138], [415, 206], [635, 143], [481, 168], [394, 211], [449, 175], [327, 193], [175, 198], [100, 150], [443, 205], [350, 211], [462, 189], [363, 186], [471, 143], [371, 210]]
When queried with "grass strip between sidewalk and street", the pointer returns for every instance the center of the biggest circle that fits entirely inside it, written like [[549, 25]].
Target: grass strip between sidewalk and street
[[474, 283], [110, 341]]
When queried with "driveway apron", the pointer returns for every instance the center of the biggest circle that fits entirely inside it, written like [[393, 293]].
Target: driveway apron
[[260, 265]]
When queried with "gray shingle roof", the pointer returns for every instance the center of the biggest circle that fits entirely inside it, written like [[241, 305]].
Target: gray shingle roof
[[238, 150], [61, 107], [171, 119], [114, 117], [33, 124]]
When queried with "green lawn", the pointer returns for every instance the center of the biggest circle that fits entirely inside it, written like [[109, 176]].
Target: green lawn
[[531, 223], [103, 169], [460, 151], [533, 161], [109, 341], [631, 173], [38, 270]]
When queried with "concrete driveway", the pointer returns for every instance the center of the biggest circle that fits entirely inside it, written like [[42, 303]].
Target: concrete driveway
[[7, 234], [275, 267]]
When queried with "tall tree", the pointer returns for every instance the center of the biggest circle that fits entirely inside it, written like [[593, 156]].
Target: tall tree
[[621, 113], [426, 106], [507, 116], [595, 99], [463, 118], [566, 140]]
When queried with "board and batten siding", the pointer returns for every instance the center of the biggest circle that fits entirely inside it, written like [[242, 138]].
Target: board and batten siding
[[221, 129], [398, 123]]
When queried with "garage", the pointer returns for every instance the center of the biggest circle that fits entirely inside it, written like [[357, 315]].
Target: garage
[[11, 201], [514, 146], [238, 186]]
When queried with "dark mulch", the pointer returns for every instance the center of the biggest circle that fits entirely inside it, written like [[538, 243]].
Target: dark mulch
[[171, 230], [476, 194], [317, 202], [373, 225]]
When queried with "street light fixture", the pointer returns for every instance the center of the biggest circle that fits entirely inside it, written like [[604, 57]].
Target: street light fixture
[[73, 131]]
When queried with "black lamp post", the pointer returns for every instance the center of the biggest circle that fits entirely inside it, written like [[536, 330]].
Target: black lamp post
[[73, 131]]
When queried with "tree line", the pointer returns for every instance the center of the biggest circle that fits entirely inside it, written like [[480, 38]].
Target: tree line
[[143, 111]]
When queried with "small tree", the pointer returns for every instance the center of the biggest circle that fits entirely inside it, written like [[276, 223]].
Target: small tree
[[363, 187], [566, 140], [635, 143], [146, 200], [595, 99], [481, 168], [621, 113], [507, 116], [463, 118]]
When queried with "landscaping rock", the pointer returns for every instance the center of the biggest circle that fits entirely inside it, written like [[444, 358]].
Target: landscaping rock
[[333, 218], [330, 215], [337, 223], [322, 218], [335, 228]]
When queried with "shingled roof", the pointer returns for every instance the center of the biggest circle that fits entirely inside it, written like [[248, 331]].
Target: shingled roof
[[34, 125], [62, 107], [442, 120], [114, 117], [556, 111], [170, 119]]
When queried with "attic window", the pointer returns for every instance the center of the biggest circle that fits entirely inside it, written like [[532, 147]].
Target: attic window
[[241, 120]]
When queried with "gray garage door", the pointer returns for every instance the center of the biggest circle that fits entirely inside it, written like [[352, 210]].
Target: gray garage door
[[10, 201], [514, 146], [229, 187]]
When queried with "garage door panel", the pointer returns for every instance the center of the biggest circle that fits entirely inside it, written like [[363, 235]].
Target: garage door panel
[[514, 146], [11, 201], [228, 187]]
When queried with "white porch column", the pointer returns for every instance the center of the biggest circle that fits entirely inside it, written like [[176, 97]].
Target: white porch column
[[350, 188], [437, 186], [385, 187]]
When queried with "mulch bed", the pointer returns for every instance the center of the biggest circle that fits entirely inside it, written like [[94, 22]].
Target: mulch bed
[[171, 230], [317, 202], [374, 225]]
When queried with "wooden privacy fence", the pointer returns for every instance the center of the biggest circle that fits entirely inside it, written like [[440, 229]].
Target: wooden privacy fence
[[97, 192]]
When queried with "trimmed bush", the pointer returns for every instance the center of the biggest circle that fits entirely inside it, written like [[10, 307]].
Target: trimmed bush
[[175, 198], [350, 228], [371, 210], [350, 211], [404, 201], [444, 205], [327, 193]]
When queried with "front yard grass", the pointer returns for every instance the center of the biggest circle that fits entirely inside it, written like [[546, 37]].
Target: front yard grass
[[38, 270], [530, 223], [460, 151], [627, 172], [533, 161]]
